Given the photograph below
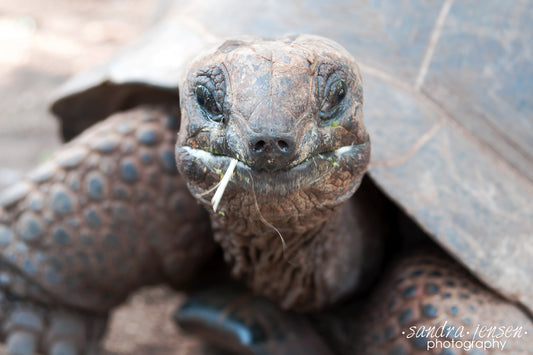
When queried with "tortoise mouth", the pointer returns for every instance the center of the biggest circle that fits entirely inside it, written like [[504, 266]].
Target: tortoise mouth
[[205, 169]]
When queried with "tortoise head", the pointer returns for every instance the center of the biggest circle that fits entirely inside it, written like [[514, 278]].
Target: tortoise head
[[289, 111]]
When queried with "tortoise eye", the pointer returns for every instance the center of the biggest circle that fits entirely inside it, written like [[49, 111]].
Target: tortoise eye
[[335, 93], [206, 100]]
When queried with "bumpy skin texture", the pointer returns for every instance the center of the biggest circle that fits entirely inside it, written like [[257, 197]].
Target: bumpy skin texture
[[108, 214], [425, 289], [428, 289], [421, 290]]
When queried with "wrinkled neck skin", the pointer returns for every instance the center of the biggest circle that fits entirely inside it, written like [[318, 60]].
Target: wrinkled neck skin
[[302, 250], [295, 271]]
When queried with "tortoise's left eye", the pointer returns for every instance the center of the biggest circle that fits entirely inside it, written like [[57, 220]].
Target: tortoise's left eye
[[206, 100], [333, 96]]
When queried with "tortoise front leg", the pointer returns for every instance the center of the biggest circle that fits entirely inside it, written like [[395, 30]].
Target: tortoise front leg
[[429, 304], [108, 214], [428, 289]]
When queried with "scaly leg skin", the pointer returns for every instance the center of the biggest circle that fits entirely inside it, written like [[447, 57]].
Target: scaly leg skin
[[108, 214], [430, 290]]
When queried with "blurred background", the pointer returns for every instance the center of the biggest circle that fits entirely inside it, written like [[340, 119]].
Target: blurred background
[[42, 43]]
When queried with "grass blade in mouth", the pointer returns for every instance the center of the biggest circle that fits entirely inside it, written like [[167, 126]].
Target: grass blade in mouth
[[223, 183]]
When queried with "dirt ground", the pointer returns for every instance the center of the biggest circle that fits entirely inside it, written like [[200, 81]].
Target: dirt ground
[[42, 43]]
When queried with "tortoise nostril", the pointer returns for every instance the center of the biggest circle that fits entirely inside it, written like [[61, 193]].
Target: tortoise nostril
[[283, 146], [259, 146], [271, 152]]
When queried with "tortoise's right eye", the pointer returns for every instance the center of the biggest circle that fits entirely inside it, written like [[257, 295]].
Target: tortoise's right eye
[[208, 103]]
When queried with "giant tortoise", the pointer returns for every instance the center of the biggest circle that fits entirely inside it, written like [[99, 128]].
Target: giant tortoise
[[250, 173]]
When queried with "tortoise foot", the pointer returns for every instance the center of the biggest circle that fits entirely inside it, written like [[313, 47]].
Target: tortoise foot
[[235, 320]]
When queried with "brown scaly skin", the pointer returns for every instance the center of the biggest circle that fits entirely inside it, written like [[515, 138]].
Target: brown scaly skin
[[429, 289], [424, 289], [108, 214], [421, 289]]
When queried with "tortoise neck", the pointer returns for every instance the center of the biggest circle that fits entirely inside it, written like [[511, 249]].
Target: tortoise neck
[[255, 224], [297, 252]]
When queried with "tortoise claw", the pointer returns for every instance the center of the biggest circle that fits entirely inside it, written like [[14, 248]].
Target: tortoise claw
[[29, 329], [66, 335], [63, 347], [22, 328], [21, 342], [235, 320]]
